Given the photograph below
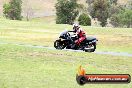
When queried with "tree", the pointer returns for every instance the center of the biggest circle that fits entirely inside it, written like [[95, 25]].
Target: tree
[[66, 11], [12, 10], [6, 10], [100, 9], [123, 18], [28, 10], [90, 5], [126, 18], [84, 19], [114, 20], [114, 9], [113, 2], [129, 4], [89, 2]]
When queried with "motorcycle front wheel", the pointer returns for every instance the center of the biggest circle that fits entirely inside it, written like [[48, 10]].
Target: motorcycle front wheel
[[59, 44]]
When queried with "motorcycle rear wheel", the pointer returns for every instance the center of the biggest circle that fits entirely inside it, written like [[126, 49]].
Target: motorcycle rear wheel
[[91, 50]]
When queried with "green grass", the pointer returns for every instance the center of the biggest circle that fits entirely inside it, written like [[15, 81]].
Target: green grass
[[28, 67], [25, 67], [38, 32]]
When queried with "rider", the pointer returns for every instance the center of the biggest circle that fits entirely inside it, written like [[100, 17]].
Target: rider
[[81, 34]]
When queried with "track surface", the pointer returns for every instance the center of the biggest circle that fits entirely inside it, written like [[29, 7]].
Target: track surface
[[52, 48]]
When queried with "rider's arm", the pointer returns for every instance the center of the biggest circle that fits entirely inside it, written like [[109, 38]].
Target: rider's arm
[[71, 31]]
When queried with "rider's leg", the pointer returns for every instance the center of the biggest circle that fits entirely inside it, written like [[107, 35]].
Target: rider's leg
[[77, 42], [81, 39]]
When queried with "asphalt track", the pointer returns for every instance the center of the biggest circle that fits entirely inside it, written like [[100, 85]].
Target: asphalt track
[[52, 48]]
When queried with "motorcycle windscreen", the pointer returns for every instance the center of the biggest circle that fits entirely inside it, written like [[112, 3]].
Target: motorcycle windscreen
[[63, 34]]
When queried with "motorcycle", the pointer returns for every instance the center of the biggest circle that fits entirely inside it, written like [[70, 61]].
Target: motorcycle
[[66, 40]]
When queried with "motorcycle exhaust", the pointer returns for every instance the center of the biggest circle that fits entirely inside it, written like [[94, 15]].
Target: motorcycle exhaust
[[89, 48]]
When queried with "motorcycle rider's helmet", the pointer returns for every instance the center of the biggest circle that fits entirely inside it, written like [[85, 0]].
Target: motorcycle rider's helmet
[[75, 27]]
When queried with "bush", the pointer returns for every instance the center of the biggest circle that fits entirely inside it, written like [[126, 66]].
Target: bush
[[84, 20], [123, 18], [13, 9]]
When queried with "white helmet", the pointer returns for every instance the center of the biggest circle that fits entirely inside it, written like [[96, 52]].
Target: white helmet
[[75, 27]]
